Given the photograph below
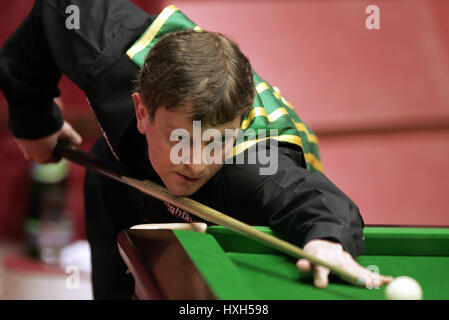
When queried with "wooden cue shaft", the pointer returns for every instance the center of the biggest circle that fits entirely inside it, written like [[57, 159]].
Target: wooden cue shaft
[[152, 189]]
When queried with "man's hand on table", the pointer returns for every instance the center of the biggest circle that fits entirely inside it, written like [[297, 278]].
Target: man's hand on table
[[41, 150], [334, 253]]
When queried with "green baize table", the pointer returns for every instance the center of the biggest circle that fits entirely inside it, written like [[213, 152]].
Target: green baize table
[[221, 264]]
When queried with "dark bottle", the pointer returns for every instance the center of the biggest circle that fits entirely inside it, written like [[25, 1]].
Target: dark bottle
[[48, 226]]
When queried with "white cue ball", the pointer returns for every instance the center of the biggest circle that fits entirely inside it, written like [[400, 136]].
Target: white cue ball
[[403, 288]]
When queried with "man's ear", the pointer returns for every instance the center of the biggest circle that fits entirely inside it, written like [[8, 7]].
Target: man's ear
[[141, 113]]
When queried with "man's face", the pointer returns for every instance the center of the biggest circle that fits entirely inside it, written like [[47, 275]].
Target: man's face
[[182, 179]]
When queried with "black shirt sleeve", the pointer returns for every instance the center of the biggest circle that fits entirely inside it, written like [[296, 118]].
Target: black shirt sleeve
[[299, 205], [29, 80], [93, 56]]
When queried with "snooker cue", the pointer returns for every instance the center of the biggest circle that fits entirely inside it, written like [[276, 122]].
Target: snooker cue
[[99, 166]]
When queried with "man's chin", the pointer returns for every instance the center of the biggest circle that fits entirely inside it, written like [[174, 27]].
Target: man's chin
[[182, 191]]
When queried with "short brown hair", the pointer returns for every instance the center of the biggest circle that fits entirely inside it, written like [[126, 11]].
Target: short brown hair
[[201, 69]]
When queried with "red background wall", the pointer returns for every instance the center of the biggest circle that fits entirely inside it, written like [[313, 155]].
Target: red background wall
[[377, 99]]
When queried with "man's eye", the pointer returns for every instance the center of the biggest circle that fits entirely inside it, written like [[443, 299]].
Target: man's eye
[[218, 140], [179, 139]]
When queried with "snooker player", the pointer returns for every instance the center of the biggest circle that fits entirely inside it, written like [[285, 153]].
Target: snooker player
[[140, 91]]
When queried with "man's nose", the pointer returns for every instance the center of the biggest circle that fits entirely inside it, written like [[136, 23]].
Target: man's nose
[[196, 165]]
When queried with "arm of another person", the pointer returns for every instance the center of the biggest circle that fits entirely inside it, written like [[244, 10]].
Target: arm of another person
[[29, 80]]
